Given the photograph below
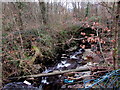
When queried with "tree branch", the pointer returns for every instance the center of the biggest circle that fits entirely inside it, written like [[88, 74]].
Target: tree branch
[[109, 9], [71, 39]]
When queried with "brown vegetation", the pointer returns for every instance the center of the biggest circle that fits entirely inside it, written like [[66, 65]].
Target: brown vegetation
[[37, 33]]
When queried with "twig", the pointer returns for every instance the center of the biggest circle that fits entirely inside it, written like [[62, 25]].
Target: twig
[[109, 9], [101, 72], [81, 77]]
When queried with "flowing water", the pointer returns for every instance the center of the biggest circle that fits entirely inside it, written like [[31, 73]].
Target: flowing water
[[70, 61]]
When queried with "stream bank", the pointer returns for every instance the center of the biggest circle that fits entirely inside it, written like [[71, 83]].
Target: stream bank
[[64, 80], [70, 54]]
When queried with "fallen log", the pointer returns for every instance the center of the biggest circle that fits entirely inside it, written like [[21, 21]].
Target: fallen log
[[54, 73]]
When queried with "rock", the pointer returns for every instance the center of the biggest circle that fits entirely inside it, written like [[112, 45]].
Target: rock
[[91, 64], [26, 82], [19, 86], [63, 86], [64, 56], [72, 49], [90, 56]]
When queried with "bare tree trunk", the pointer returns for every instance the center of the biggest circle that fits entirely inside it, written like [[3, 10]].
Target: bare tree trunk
[[87, 10], [47, 12], [96, 10], [74, 9], [115, 51], [118, 35], [114, 12], [43, 11]]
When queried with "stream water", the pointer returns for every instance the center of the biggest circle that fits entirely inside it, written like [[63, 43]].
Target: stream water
[[68, 61]]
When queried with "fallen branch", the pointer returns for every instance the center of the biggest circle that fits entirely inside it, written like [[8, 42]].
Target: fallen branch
[[82, 77], [54, 73], [101, 72]]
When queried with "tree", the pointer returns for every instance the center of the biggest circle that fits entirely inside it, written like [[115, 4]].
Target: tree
[[18, 6], [113, 10], [116, 30], [87, 10], [43, 11]]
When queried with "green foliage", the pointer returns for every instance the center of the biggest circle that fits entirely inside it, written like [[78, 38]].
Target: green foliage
[[21, 4], [8, 26], [74, 29], [95, 18], [70, 31], [15, 63], [44, 40], [73, 44], [4, 34], [65, 35]]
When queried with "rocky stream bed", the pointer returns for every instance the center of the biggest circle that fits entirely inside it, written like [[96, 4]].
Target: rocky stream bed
[[75, 79]]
